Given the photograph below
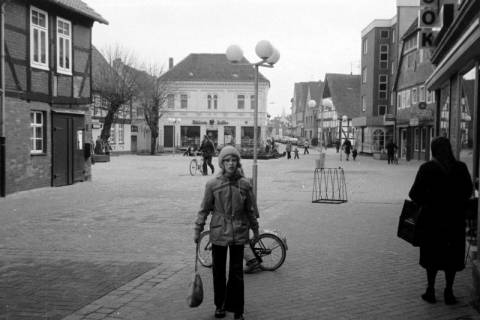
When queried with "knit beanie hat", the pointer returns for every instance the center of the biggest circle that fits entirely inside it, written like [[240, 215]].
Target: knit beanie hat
[[227, 151]]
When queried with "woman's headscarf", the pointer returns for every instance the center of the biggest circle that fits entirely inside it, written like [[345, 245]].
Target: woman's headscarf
[[442, 151]]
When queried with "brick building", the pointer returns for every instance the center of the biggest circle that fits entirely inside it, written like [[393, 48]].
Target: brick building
[[45, 122]]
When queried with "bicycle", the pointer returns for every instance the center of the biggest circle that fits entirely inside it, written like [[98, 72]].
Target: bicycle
[[269, 248], [196, 166]]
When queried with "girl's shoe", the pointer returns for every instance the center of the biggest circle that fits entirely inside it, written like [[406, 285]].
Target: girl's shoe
[[220, 313], [429, 295], [448, 296]]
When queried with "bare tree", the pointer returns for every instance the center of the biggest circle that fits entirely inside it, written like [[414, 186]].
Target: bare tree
[[153, 95], [116, 81]]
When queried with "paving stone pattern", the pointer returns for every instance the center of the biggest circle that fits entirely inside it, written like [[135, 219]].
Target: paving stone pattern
[[132, 226]]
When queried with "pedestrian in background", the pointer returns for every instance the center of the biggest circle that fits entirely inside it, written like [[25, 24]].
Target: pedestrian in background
[[442, 188], [347, 148], [295, 152], [230, 199], [306, 145], [337, 145], [208, 150], [391, 149], [354, 153], [288, 149]]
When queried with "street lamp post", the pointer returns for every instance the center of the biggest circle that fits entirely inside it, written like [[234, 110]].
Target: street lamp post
[[269, 56]]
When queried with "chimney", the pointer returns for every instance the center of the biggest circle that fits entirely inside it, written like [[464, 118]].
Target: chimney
[[170, 63]]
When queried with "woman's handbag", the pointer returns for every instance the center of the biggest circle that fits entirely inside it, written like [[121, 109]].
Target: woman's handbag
[[195, 288], [408, 229]]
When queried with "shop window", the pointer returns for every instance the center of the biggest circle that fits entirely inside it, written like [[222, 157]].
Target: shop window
[[112, 139], [229, 135], [445, 111], [423, 139], [467, 92], [421, 94], [37, 133], [378, 140]]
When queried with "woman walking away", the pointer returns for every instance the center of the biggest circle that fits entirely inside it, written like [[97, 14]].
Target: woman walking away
[[442, 187], [230, 199]]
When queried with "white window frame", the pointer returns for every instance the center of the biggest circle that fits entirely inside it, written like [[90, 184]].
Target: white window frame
[[414, 96], [384, 31], [364, 104], [365, 46], [241, 102], [421, 94], [364, 75], [34, 138], [184, 101], [170, 101], [68, 46], [40, 29], [121, 133]]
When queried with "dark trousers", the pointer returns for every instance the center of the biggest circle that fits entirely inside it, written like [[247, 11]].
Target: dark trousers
[[289, 154], [228, 295], [207, 160], [390, 158], [305, 150]]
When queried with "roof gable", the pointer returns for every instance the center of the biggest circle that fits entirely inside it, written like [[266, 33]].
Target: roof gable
[[344, 91], [212, 67], [305, 91], [81, 8]]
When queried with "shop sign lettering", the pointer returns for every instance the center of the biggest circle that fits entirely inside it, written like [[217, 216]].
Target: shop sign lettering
[[428, 19]]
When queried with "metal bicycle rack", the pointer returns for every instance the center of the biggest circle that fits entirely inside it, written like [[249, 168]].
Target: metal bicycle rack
[[329, 186]]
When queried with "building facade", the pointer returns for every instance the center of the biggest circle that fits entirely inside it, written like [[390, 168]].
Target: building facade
[[455, 81], [415, 105], [304, 117], [45, 123], [208, 95], [341, 104]]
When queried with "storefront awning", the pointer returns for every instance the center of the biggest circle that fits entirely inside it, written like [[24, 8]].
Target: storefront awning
[[466, 49]]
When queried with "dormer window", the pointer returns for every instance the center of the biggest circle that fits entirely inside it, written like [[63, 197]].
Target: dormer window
[[64, 46], [38, 38]]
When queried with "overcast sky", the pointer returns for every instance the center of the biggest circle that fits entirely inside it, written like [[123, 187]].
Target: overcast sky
[[314, 37]]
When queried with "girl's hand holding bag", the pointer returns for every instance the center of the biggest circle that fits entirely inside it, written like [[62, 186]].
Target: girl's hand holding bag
[[195, 287]]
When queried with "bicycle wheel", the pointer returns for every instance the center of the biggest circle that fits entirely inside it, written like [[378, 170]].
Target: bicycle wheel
[[193, 167], [205, 249], [271, 250]]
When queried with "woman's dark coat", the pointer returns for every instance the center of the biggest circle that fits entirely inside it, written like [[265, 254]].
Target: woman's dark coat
[[443, 193]]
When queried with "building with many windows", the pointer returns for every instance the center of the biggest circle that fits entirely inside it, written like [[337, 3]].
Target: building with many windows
[[47, 86], [380, 54], [208, 95], [415, 105]]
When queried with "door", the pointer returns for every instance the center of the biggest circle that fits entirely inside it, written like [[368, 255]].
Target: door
[[68, 163], [133, 144], [168, 136], [403, 143]]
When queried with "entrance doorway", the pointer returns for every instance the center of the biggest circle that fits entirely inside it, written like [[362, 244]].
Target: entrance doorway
[[67, 143], [168, 136], [403, 143], [133, 144]]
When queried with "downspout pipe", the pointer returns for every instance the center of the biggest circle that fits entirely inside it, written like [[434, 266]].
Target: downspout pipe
[[3, 117]]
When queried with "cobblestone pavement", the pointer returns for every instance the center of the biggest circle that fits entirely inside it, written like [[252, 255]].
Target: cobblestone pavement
[[120, 247]]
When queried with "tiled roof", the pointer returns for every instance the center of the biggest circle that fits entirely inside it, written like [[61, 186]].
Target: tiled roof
[[99, 63], [80, 7], [212, 67], [344, 90]]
